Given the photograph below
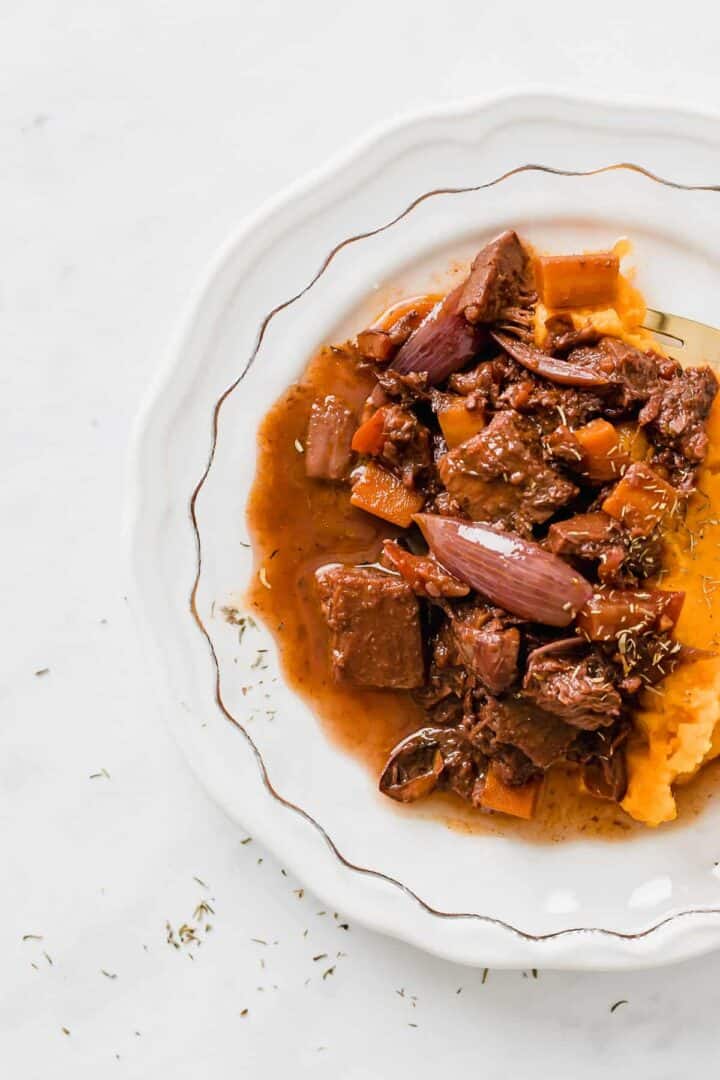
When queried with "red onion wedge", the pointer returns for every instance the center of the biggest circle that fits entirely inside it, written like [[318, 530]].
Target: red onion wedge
[[561, 372], [513, 573], [443, 343]]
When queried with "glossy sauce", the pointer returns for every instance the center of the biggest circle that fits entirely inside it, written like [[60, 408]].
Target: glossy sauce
[[298, 524]]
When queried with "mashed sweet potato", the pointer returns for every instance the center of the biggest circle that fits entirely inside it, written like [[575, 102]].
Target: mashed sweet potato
[[623, 320], [678, 728]]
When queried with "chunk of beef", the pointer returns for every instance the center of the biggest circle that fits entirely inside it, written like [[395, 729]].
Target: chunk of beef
[[425, 576], [649, 656], [513, 767], [431, 757], [447, 677], [542, 737], [622, 560], [591, 536], [374, 624], [405, 389], [328, 453], [501, 383], [406, 446], [563, 336], [483, 381], [487, 646], [500, 475], [578, 689], [634, 374], [497, 280], [675, 414], [547, 404], [563, 445]]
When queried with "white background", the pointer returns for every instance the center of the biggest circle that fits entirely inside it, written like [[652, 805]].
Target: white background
[[133, 137]]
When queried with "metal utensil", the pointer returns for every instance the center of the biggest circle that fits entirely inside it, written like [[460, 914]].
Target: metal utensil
[[694, 342]]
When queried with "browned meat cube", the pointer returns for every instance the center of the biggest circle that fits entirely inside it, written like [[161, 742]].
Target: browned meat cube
[[676, 412], [578, 690], [374, 622], [500, 475], [594, 536], [328, 452], [496, 281], [542, 737]]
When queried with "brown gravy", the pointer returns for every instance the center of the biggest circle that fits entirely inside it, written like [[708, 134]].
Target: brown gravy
[[298, 524]]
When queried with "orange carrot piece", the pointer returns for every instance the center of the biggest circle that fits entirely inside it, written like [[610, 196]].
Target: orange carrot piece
[[458, 423], [368, 439], [611, 612], [577, 280], [633, 441], [641, 500], [518, 801], [379, 492], [603, 457]]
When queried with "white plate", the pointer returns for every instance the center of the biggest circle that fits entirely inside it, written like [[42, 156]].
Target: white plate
[[300, 273]]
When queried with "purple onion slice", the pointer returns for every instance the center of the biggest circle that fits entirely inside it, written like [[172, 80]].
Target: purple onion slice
[[513, 573], [561, 372], [443, 343]]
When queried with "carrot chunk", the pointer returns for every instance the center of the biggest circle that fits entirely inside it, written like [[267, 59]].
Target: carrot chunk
[[368, 439], [610, 613], [577, 280], [518, 801], [641, 500], [633, 440], [458, 423], [603, 456], [379, 492]]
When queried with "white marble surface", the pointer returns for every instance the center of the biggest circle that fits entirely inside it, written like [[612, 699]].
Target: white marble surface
[[133, 136]]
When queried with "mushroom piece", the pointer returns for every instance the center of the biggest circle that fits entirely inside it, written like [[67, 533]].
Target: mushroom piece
[[417, 762], [606, 777]]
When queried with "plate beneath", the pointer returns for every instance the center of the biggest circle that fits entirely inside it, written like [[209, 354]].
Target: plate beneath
[[309, 269]]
